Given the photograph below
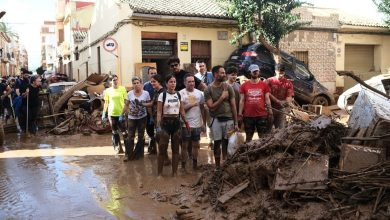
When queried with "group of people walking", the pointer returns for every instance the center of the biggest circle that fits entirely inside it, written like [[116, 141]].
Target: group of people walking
[[20, 100], [177, 108]]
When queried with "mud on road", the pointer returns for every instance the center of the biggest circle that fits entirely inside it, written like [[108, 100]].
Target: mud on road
[[80, 177]]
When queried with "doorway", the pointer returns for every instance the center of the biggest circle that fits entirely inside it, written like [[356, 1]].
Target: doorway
[[201, 50], [158, 47]]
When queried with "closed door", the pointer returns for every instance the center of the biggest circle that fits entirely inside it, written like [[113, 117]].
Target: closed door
[[201, 50]]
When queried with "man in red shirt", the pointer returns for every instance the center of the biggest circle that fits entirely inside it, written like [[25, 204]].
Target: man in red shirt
[[282, 91], [255, 104]]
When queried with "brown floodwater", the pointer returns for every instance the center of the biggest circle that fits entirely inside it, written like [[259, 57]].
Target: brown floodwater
[[80, 177]]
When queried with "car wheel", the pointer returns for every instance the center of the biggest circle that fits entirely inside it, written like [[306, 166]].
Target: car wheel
[[320, 100]]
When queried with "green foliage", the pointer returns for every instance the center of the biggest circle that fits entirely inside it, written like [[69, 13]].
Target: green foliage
[[271, 19], [384, 7], [7, 30]]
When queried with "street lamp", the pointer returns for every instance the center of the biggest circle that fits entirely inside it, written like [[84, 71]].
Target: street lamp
[[2, 14]]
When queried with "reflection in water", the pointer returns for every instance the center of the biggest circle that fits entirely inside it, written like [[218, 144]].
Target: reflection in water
[[113, 205], [80, 177]]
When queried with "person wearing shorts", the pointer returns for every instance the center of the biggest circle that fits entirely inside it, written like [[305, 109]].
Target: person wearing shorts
[[220, 100], [255, 104], [193, 103]]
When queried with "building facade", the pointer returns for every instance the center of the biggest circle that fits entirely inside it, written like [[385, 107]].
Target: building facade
[[48, 45], [147, 33]]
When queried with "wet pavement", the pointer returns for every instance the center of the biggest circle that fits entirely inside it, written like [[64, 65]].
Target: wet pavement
[[80, 177]]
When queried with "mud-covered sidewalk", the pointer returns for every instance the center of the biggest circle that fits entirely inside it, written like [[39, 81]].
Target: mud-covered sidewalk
[[80, 177]]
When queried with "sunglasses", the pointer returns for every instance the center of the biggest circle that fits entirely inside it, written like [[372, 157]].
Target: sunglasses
[[174, 65]]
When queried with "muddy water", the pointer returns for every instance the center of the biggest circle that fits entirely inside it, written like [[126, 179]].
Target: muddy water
[[80, 177]]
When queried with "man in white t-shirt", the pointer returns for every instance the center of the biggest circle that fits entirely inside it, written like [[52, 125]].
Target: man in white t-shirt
[[193, 102]]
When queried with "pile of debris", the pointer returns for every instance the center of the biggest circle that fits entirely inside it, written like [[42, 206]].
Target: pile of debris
[[81, 121], [293, 174], [80, 107]]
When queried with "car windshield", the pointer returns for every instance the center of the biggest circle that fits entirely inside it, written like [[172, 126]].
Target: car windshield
[[302, 72]]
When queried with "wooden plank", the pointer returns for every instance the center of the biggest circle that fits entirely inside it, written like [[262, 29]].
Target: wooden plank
[[303, 175], [233, 191]]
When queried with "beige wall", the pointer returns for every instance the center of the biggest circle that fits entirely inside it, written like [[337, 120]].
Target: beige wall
[[130, 49], [381, 45]]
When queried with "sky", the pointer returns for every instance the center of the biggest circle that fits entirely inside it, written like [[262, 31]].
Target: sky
[[26, 17]]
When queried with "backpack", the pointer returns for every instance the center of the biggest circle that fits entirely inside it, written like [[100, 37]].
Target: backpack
[[165, 97]]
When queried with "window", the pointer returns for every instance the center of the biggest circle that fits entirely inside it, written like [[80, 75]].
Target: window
[[302, 56]]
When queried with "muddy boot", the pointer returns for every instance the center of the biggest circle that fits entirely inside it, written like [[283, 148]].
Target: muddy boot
[[217, 162], [139, 149], [175, 164], [129, 145], [152, 149], [115, 142], [167, 161], [194, 164]]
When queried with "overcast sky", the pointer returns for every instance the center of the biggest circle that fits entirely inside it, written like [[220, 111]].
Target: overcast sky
[[27, 16]]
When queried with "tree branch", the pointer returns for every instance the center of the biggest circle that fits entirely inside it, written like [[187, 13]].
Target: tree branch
[[357, 79]]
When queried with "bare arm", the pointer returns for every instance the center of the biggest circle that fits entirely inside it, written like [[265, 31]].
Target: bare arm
[[126, 108], [105, 107], [213, 105], [242, 101], [202, 111], [234, 109], [273, 98], [202, 86], [183, 113], [8, 91], [159, 113], [268, 102]]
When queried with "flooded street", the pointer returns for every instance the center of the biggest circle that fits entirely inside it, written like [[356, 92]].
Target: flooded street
[[80, 177]]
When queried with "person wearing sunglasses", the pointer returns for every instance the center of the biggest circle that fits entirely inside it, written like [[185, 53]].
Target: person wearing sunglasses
[[174, 66]]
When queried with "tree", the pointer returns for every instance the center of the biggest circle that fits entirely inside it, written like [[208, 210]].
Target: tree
[[7, 30], [267, 20], [384, 7]]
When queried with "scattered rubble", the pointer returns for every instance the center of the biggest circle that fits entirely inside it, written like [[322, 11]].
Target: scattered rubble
[[293, 173]]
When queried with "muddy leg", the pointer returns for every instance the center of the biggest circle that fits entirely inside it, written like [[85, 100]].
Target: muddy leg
[[162, 151], [175, 141], [195, 150], [184, 155], [224, 148], [217, 153]]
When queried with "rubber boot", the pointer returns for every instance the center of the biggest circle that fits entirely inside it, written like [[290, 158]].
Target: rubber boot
[[139, 149], [152, 149], [175, 164], [129, 145], [115, 141], [194, 164]]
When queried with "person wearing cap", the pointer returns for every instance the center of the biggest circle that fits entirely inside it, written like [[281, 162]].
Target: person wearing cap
[[282, 92], [137, 115], [255, 104]]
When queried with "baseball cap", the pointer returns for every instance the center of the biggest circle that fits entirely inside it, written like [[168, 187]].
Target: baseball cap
[[253, 67]]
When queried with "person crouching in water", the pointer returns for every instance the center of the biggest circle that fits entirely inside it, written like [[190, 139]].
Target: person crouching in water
[[169, 110]]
